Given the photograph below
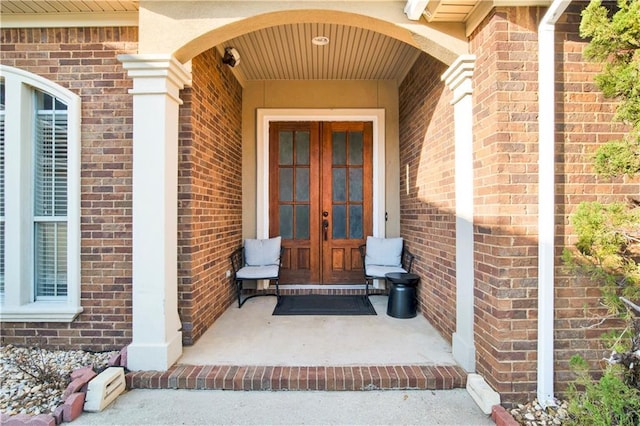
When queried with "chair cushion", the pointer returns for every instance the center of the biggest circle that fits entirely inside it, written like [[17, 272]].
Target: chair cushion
[[262, 252], [384, 251], [381, 271], [257, 272]]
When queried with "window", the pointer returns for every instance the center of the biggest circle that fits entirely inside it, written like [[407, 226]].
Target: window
[[39, 199]]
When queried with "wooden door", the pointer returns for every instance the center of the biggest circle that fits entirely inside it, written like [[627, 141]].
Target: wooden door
[[320, 198]]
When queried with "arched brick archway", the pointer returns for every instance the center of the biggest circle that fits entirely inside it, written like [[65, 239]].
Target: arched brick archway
[[170, 37]]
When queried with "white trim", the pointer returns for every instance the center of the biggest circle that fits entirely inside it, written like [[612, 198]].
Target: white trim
[[267, 115], [415, 8], [65, 20], [18, 302], [458, 78], [546, 199]]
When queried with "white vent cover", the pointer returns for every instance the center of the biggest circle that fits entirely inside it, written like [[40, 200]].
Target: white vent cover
[[104, 389]]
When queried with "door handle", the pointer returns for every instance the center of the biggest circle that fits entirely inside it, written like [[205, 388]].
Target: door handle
[[325, 228]]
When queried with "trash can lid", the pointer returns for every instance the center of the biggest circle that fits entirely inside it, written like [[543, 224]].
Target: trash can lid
[[402, 278]]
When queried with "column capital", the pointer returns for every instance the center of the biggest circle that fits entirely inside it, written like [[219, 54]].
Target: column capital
[[156, 74], [458, 76]]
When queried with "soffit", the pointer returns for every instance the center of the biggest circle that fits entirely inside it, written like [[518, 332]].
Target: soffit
[[76, 6]]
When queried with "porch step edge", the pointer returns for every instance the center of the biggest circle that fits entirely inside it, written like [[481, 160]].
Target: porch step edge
[[319, 378]]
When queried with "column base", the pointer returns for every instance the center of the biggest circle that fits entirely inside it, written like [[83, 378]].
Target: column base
[[154, 357], [464, 353]]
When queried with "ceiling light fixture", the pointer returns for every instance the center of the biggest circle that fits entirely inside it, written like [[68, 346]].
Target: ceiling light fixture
[[320, 40]]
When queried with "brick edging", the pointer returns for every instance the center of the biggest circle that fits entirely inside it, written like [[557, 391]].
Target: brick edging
[[340, 378]]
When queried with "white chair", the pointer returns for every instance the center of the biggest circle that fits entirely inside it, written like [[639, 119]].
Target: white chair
[[381, 256], [259, 259]]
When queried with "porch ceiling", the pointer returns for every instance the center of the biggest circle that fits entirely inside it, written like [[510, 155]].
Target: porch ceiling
[[286, 52], [283, 52]]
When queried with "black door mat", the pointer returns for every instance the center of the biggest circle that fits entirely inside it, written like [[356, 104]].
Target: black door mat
[[322, 304]]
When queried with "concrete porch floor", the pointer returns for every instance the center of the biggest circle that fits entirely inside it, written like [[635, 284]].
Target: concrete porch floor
[[250, 349], [252, 336]]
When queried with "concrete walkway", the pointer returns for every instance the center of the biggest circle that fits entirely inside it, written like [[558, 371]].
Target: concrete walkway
[[183, 407]]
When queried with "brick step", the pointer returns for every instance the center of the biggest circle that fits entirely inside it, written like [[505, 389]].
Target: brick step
[[342, 378]]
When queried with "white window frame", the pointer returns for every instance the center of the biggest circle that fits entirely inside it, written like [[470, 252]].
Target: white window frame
[[19, 302]]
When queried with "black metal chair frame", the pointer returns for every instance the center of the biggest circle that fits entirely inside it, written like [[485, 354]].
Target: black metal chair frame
[[238, 262], [406, 261]]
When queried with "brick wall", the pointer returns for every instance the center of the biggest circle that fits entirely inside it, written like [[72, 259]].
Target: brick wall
[[506, 198], [210, 190], [427, 198], [505, 172], [84, 61]]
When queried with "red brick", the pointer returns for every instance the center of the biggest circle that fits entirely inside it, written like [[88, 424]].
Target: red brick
[[72, 407], [502, 417], [79, 384], [80, 372]]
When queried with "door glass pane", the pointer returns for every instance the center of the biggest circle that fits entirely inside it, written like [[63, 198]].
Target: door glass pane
[[302, 222], [339, 150], [339, 221], [286, 185], [302, 184], [355, 148], [339, 184], [286, 221], [355, 222], [302, 148], [355, 184], [285, 148]]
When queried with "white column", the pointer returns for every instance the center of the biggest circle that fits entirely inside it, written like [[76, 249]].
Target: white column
[[458, 79], [157, 336]]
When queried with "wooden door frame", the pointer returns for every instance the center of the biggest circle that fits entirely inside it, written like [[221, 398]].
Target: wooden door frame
[[267, 115]]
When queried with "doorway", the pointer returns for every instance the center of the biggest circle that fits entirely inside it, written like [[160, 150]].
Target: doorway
[[320, 198]]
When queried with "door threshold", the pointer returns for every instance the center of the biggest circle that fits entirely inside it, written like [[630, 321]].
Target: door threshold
[[322, 286]]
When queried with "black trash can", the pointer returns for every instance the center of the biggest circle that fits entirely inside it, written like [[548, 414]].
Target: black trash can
[[402, 295]]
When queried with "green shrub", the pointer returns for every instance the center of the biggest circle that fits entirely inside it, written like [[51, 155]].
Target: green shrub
[[607, 401]]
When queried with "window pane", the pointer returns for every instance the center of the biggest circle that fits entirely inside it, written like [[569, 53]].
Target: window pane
[[339, 185], [286, 221], [1, 186], [286, 184], [355, 184], [339, 221], [355, 222], [355, 148], [339, 148], [51, 259], [1, 257], [285, 147], [302, 222], [302, 184], [50, 164], [302, 148]]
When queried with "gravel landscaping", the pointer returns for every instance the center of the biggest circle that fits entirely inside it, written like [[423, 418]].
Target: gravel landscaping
[[33, 381], [532, 414]]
